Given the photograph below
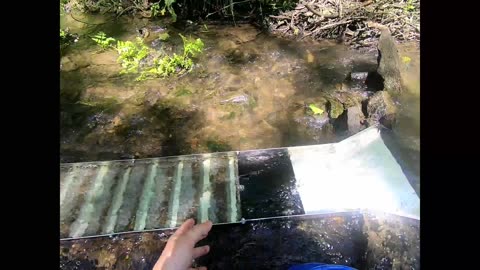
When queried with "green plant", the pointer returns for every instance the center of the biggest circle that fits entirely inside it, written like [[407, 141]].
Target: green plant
[[62, 7], [155, 8], [409, 7], [67, 38], [191, 48], [130, 54], [166, 66], [180, 64], [168, 5], [63, 34], [103, 41]]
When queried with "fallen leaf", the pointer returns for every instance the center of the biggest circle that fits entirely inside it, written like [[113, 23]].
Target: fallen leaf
[[315, 109]]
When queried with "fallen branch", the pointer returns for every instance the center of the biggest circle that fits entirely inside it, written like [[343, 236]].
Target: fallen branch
[[333, 25], [340, 8], [71, 15], [414, 26], [280, 17], [347, 20]]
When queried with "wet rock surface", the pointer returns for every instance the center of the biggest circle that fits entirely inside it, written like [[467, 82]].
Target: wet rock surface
[[314, 128], [381, 109], [72, 63], [355, 119], [243, 79], [389, 62], [363, 241]]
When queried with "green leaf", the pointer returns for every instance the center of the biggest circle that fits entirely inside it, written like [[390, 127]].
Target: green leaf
[[315, 109], [406, 59]]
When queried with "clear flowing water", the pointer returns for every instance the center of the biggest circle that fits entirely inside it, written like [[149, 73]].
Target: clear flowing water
[[244, 93]]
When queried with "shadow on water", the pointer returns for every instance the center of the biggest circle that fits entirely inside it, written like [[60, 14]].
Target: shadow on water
[[269, 184], [98, 123]]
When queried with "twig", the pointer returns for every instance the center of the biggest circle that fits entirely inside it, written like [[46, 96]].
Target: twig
[[322, 16], [233, 14], [340, 8], [292, 20], [361, 6], [315, 12], [127, 9], [414, 26], [71, 15], [227, 6], [280, 17], [333, 25]]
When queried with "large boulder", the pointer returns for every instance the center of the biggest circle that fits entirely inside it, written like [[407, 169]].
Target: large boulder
[[389, 62]]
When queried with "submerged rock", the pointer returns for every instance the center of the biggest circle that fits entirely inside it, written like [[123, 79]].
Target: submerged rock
[[336, 108], [381, 109], [389, 62], [358, 80], [355, 119], [312, 128], [350, 98], [72, 63], [152, 97], [237, 99], [241, 56], [227, 45]]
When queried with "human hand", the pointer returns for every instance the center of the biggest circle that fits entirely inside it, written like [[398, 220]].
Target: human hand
[[180, 250]]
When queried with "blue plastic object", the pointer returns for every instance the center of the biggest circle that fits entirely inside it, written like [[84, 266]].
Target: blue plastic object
[[320, 266]]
